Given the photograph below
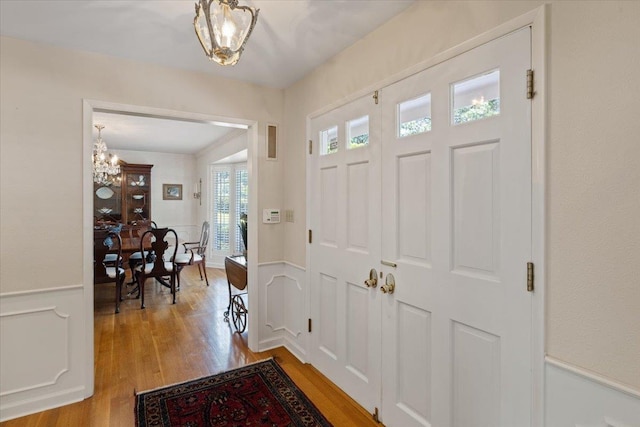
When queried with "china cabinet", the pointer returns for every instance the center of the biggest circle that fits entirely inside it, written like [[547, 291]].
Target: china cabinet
[[136, 192], [127, 198]]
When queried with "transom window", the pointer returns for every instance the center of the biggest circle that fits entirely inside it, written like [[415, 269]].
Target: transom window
[[329, 140], [476, 98], [414, 116], [358, 132]]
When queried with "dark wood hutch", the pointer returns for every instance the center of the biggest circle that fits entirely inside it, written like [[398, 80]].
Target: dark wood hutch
[[128, 196]]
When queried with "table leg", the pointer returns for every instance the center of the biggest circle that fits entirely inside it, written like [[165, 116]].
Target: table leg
[[226, 313]]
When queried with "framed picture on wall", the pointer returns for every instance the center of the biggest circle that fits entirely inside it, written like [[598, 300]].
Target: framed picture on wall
[[171, 191]]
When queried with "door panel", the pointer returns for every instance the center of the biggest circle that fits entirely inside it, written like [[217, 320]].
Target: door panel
[[328, 204], [413, 377], [414, 216], [357, 197], [476, 222], [328, 333], [408, 167], [357, 358], [345, 173], [462, 187], [476, 373]]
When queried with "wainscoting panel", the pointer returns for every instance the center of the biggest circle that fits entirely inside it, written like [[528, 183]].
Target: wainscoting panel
[[274, 302], [42, 350], [271, 319], [282, 314], [295, 299], [577, 398]]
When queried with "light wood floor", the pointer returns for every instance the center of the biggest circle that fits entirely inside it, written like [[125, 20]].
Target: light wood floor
[[138, 350]]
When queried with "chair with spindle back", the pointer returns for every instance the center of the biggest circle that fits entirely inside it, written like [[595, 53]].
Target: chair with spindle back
[[195, 254]]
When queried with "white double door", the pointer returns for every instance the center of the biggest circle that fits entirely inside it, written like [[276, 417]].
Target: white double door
[[438, 195]]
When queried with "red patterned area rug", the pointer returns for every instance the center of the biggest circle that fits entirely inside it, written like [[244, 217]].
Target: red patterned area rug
[[260, 394]]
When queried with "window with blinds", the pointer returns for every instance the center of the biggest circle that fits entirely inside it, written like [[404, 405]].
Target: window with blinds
[[230, 199], [221, 186], [242, 203]]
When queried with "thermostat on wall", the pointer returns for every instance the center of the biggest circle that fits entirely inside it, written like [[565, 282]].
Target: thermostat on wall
[[271, 216]]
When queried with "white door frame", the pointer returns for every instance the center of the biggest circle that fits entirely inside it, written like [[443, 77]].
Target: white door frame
[[88, 107], [537, 20]]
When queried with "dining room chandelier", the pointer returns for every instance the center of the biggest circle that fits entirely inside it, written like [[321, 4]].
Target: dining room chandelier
[[104, 165], [223, 28]]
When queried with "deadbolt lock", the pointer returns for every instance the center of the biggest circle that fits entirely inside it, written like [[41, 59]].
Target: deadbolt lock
[[389, 285], [372, 282]]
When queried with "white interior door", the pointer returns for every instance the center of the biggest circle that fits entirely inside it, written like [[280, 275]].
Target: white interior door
[[345, 220], [456, 220]]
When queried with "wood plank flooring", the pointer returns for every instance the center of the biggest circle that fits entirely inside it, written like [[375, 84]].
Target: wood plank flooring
[[139, 350]]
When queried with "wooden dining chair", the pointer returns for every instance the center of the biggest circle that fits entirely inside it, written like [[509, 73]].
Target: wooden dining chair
[[136, 229], [164, 245], [195, 254], [107, 261]]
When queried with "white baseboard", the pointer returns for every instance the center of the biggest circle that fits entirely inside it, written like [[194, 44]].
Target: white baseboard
[[42, 350], [41, 403], [295, 349], [270, 344], [576, 397]]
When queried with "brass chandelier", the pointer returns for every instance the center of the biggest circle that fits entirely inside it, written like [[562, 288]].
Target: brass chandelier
[[223, 28]]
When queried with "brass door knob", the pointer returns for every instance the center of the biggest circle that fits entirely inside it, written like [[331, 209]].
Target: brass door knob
[[372, 282], [389, 285]]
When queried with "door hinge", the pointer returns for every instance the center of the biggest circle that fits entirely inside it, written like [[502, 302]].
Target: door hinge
[[530, 277], [309, 325], [375, 96], [530, 91], [310, 147], [375, 415], [310, 236]]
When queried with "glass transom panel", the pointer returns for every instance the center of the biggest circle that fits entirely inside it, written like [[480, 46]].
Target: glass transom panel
[[358, 132], [329, 140], [414, 116], [476, 98]]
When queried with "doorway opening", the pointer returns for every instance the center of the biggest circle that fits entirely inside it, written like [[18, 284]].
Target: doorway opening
[[198, 205]]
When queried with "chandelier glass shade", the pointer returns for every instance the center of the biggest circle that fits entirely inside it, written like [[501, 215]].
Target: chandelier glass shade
[[223, 28], [104, 166]]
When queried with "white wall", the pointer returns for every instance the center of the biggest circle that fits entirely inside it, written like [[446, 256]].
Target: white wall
[[593, 211], [41, 194], [41, 114], [169, 168], [593, 238]]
